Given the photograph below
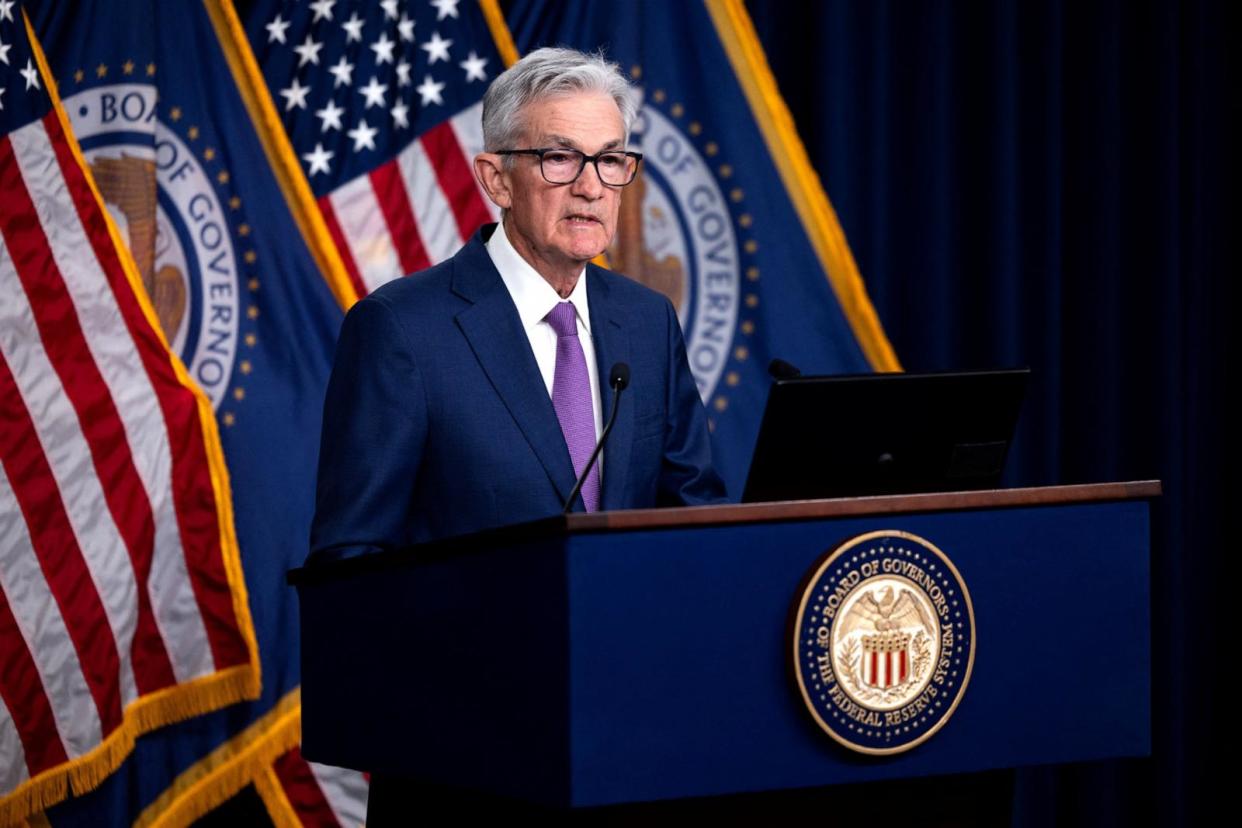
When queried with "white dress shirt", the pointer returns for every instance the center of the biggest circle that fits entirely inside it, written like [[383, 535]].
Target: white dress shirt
[[535, 299]]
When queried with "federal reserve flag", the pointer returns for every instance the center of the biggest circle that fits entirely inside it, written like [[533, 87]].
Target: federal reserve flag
[[122, 604], [181, 138], [728, 219]]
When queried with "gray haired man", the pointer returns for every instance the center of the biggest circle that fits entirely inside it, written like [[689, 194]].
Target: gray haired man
[[469, 395]]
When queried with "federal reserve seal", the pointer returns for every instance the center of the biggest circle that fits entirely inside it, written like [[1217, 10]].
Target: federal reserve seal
[[170, 194], [883, 642], [682, 231], [165, 199]]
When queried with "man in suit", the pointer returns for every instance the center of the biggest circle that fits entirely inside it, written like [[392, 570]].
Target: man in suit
[[471, 395]]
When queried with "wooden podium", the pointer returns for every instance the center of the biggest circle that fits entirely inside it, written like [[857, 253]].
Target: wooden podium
[[635, 656]]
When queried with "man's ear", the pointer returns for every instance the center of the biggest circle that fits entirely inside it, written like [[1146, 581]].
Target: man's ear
[[493, 178]]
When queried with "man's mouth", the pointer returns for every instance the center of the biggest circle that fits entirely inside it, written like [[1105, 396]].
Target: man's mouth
[[582, 218]]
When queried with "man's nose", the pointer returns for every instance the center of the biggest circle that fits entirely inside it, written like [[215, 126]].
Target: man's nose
[[588, 183]]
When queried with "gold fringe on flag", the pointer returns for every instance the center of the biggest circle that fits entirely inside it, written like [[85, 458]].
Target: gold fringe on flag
[[279, 808], [86, 772], [218, 777]]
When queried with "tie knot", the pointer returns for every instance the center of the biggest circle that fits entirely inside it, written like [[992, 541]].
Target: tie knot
[[563, 320]]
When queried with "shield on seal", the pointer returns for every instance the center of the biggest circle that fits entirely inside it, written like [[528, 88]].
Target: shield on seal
[[886, 659]]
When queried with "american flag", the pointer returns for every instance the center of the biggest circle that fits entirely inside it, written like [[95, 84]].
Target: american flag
[[317, 795], [382, 104], [122, 606]]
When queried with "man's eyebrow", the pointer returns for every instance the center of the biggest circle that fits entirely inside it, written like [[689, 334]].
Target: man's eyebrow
[[562, 141]]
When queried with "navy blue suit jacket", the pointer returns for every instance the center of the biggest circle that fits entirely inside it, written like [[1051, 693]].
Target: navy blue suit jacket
[[437, 421]]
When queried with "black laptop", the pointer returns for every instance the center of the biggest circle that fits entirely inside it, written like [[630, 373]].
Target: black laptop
[[876, 434]]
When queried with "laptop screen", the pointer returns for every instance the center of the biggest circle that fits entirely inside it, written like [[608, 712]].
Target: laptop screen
[[875, 434]]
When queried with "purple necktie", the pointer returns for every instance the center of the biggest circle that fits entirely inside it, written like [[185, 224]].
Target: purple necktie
[[571, 397]]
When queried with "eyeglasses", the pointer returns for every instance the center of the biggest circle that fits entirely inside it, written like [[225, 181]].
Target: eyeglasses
[[563, 166]]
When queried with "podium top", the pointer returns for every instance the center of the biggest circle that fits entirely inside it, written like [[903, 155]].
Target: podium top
[[855, 506], [686, 517]]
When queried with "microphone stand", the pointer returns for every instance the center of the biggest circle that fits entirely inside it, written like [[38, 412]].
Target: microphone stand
[[619, 379]]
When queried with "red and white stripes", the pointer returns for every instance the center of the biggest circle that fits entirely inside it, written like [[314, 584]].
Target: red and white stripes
[[886, 669], [413, 211], [319, 795], [113, 579]]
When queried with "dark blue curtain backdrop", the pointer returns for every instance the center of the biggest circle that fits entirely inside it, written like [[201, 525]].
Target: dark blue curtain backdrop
[[1052, 184]]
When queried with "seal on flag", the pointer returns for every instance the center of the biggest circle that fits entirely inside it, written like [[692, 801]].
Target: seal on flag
[[884, 641], [678, 234], [166, 202]]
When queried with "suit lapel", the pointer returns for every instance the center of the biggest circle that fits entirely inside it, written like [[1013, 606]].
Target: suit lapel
[[612, 345], [494, 331]]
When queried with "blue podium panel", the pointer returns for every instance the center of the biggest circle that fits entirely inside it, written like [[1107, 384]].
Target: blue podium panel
[[449, 668], [576, 666], [679, 644]]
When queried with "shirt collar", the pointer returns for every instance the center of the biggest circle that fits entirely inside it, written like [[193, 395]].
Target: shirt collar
[[531, 293]]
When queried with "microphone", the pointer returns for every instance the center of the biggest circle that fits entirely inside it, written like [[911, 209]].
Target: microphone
[[779, 369], [619, 380]]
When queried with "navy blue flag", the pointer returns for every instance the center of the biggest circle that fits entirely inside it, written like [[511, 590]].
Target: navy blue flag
[[728, 219], [183, 143]]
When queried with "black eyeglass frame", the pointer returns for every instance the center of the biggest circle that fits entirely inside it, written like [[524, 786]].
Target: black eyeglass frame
[[594, 159]]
